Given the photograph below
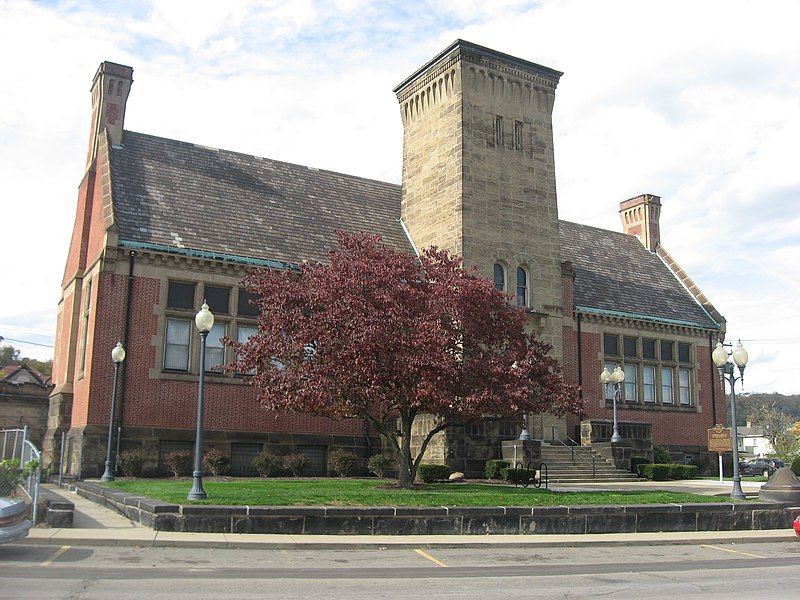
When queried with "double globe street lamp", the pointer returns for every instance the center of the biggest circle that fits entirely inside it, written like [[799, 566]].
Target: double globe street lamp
[[117, 355], [616, 377], [204, 320], [725, 367]]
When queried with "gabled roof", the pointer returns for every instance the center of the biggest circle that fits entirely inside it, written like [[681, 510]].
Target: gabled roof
[[183, 197], [20, 374], [615, 273]]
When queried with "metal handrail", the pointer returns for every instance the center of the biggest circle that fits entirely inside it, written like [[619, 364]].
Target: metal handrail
[[553, 440], [27, 452]]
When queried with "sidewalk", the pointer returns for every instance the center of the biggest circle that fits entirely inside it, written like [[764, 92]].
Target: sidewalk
[[99, 526]]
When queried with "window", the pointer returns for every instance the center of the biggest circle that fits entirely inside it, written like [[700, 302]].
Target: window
[[610, 344], [498, 131], [651, 367], [522, 287], [180, 295], [610, 386], [649, 384], [176, 352], [244, 333], [499, 277], [247, 306], [684, 386], [517, 135], [631, 384], [666, 386], [218, 299], [87, 305], [215, 351], [683, 353]]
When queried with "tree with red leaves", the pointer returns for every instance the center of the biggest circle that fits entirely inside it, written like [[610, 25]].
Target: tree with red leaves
[[385, 336]]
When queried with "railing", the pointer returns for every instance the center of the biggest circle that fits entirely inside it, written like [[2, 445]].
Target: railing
[[16, 445], [554, 440]]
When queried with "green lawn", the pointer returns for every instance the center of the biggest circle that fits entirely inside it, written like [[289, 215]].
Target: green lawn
[[372, 492]]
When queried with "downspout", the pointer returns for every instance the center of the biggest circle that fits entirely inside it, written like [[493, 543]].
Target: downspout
[[126, 332], [713, 381], [580, 359]]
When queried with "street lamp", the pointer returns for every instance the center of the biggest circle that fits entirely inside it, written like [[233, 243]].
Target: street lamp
[[617, 377], [725, 367], [204, 320], [117, 355]]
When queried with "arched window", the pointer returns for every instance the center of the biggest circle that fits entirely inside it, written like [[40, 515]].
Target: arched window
[[499, 277], [522, 287]]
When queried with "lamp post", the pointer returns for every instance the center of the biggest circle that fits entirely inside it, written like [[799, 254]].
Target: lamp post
[[204, 320], [725, 367], [616, 377], [117, 355]]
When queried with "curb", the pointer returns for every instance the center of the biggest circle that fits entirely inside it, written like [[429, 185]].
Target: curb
[[288, 542]]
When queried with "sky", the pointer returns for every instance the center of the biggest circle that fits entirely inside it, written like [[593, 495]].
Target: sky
[[695, 101]]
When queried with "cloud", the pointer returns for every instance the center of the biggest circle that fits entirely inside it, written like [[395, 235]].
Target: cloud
[[696, 102]]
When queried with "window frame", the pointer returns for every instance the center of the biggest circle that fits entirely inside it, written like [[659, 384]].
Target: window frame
[[525, 288], [504, 276]]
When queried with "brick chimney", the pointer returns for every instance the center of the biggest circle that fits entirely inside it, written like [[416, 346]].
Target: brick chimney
[[639, 217], [110, 88]]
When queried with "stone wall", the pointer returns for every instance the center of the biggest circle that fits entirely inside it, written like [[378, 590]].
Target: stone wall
[[24, 405]]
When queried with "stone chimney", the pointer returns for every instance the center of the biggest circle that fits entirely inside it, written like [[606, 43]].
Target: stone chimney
[[640, 218], [110, 88]]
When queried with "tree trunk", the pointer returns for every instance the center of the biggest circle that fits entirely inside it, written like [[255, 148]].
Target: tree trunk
[[406, 470]]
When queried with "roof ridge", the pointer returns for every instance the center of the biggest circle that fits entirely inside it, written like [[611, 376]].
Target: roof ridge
[[256, 156], [603, 229]]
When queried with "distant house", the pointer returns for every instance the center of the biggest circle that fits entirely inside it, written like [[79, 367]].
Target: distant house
[[753, 441], [162, 225], [24, 400]]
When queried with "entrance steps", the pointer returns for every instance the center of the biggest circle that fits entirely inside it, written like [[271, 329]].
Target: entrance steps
[[573, 464]]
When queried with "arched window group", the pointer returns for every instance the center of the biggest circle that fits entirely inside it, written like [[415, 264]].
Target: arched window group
[[500, 283]]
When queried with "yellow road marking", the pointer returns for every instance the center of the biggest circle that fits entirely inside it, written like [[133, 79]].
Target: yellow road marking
[[734, 551], [55, 555], [424, 554]]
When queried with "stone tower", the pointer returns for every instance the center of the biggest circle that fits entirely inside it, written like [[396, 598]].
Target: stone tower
[[479, 179], [479, 174]]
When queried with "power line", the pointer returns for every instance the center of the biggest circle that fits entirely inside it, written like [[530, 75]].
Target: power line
[[26, 342]]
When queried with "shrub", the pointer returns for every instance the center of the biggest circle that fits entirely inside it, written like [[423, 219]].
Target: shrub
[[266, 463], [636, 461], [380, 464], [296, 463], [661, 455], [517, 475], [796, 466], [216, 463], [342, 462], [131, 462], [431, 473], [656, 472], [493, 468], [683, 471], [179, 462], [10, 476]]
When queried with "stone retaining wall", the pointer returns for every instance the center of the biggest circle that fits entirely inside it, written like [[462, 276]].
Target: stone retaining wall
[[466, 520]]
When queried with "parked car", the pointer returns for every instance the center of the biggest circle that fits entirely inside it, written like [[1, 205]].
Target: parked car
[[14, 522], [760, 466], [797, 527]]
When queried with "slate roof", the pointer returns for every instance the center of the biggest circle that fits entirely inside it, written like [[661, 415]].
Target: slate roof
[[182, 195], [615, 272]]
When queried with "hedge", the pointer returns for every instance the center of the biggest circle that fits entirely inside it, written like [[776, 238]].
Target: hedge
[[796, 466], [517, 475], [661, 455], [493, 468], [431, 473], [636, 463], [664, 472]]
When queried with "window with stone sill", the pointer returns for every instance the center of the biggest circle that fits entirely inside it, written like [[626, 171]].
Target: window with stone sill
[[499, 275], [181, 339], [657, 372]]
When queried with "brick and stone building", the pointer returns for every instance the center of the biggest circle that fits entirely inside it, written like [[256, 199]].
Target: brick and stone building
[[24, 401], [162, 224]]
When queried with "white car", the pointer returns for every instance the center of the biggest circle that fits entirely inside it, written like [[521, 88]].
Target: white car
[[14, 522]]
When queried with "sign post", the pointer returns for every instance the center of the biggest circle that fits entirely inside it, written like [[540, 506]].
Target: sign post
[[719, 441]]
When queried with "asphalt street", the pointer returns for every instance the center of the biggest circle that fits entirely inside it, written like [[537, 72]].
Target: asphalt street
[[758, 570]]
